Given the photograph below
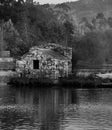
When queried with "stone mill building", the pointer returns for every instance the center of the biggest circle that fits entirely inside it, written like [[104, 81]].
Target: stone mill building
[[46, 61]]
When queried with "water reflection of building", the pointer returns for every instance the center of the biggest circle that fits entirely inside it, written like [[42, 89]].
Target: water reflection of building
[[48, 105], [48, 108], [24, 96], [51, 106]]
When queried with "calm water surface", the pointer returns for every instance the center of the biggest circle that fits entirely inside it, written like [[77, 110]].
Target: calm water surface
[[55, 109]]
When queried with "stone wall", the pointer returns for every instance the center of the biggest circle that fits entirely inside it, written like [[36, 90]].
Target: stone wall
[[48, 65]]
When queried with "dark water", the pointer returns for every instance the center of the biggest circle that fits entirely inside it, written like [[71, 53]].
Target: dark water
[[55, 109]]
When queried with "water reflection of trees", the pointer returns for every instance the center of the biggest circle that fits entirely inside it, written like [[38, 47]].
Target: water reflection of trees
[[15, 108], [38, 107], [88, 96], [24, 96], [10, 119], [51, 104], [92, 95]]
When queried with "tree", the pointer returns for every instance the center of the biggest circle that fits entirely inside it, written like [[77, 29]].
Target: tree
[[68, 32], [63, 6], [95, 47], [101, 22], [100, 16], [85, 26], [9, 9], [110, 21]]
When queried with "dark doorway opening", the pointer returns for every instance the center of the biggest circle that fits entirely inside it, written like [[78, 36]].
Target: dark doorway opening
[[35, 64]]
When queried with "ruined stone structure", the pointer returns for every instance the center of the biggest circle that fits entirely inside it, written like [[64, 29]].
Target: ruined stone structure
[[48, 61]]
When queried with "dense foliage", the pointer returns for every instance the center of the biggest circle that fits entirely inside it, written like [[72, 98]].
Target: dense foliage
[[36, 24]]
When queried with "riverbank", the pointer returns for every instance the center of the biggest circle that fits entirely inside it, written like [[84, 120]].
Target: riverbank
[[72, 81], [5, 76], [25, 81]]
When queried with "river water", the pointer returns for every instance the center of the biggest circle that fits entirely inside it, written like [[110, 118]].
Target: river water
[[27, 108]]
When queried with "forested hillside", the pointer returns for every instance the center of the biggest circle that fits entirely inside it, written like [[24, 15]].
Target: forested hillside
[[84, 25], [92, 24], [89, 8], [35, 25]]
